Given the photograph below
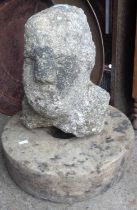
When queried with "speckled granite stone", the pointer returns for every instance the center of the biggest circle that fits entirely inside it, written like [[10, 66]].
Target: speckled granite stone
[[67, 170], [59, 55]]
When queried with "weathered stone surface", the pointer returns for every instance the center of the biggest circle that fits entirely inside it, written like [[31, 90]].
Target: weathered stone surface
[[31, 119], [72, 169], [59, 53]]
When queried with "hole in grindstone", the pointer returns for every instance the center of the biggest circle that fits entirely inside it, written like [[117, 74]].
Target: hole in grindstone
[[57, 133]]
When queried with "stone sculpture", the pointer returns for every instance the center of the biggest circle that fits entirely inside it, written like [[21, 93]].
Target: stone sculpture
[[59, 56]]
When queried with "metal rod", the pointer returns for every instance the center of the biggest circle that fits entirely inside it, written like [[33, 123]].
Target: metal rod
[[107, 16]]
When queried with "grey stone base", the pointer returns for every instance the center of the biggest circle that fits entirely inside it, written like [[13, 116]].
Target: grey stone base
[[67, 170]]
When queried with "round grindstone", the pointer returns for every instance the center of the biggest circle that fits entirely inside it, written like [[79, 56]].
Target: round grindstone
[[67, 170]]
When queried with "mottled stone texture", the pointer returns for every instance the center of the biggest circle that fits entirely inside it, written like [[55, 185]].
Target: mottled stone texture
[[68, 170], [59, 54]]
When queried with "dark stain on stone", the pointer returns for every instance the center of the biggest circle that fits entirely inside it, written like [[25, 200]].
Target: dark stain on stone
[[111, 154], [122, 127], [26, 162], [119, 129], [101, 155], [126, 123], [88, 155], [69, 165], [81, 161], [36, 144], [106, 187], [100, 148], [99, 185], [70, 173], [95, 146], [106, 123], [115, 114], [82, 153], [98, 169], [109, 140], [127, 146], [87, 191], [122, 162], [56, 157], [109, 137], [42, 166], [107, 147], [121, 174]]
